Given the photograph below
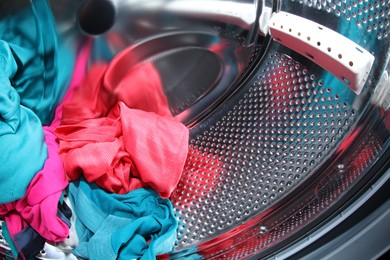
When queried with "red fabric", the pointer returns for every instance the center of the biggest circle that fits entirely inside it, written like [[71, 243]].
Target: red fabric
[[119, 148], [137, 84], [140, 88], [90, 99]]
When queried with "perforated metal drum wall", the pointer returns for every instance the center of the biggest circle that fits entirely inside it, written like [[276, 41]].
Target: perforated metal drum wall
[[371, 16], [273, 136], [269, 139], [257, 238], [277, 143]]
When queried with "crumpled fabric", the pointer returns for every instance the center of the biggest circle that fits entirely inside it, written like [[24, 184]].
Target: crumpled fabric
[[136, 225], [72, 240], [90, 100], [25, 244], [44, 63], [31, 86], [38, 208], [40, 214], [138, 87], [23, 147], [117, 147], [126, 150]]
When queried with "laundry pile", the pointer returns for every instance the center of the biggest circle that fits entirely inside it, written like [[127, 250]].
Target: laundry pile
[[88, 163]]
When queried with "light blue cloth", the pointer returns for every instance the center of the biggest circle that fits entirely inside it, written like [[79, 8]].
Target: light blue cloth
[[136, 225], [31, 86], [8, 239], [22, 145], [45, 64]]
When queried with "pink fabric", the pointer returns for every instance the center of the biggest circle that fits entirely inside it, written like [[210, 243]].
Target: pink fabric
[[140, 87], [126, 150], [120, 134], [90, 99], [38, 207]]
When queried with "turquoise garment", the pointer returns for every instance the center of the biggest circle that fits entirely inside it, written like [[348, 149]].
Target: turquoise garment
[[44, 64], [8, 239], [22, 145], [136, 225], [31, 87]]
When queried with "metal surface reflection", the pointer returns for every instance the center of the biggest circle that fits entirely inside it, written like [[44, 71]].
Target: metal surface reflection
[[285, 147], [201, 48], [185, 73]]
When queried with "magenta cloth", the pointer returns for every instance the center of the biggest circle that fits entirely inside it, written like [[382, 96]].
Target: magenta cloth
[[38, 207], [126, 150]]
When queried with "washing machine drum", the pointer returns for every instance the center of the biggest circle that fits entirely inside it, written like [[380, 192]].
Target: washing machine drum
[[287, 103]]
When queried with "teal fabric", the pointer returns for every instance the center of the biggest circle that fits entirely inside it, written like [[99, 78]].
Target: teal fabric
[[136, 225], [35, 71], [8, 239], [44, 63], [22, 145]]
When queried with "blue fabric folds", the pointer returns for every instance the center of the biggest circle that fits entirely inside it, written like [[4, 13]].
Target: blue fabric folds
[[29, 242], [136, 225], [23, 149], [44, 63], [31, 86]]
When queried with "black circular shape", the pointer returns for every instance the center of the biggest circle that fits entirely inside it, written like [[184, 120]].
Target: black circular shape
[[96, 16]]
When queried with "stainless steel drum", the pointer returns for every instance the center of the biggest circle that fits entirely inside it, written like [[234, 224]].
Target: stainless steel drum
[[289, 118]]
